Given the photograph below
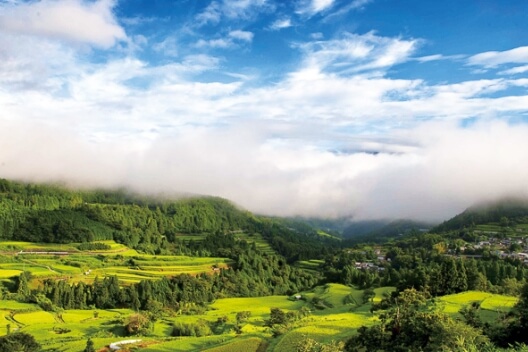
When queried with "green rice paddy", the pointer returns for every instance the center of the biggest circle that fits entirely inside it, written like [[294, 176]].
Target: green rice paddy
[[336, 311], [68, 331], [75, 265], [492, 305]]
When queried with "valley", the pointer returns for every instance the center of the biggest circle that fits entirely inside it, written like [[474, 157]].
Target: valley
[[100, 270]]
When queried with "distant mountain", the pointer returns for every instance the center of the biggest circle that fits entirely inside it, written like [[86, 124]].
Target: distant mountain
[[505, 211], [363, 228], [379, 229], [334, 227]]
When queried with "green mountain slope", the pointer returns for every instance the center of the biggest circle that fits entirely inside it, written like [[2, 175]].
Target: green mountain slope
[[383, 229], [50, 213], [504, 212]]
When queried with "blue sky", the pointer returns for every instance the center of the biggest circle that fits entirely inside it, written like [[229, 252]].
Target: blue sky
[[364, 108]]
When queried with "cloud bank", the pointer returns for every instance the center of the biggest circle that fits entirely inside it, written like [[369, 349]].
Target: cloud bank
[[447, 169], [335, 135]]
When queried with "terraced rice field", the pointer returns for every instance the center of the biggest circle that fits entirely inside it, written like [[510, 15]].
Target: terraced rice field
[[311, 265], [125, 263], [259, 306], [345, 312], [246, 345], [492, 305], [35, 318], [336, 322], [260, 242]]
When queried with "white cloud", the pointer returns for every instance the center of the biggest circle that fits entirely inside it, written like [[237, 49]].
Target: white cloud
[[312, 7], [321, 5], [241, 35], [157, 128], [233, 38], [281, 24], [167, 47], [448, 170], [438, 57], [242, 8], [70, 20], [355, 53], [353, 5], [231, 9], [211, 14], [515, 70], [454, 168], [356, 4], [215, 43], [492, 59], [22, 69]]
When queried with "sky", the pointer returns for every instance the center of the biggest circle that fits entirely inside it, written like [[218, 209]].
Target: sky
[[323, 108]]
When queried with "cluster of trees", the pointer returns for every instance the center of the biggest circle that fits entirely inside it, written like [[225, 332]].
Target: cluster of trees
[[196, 329], [253, 274], [513, 327], [19, 341], [419, 262], [94, 246], [412, 321], [33, 212]]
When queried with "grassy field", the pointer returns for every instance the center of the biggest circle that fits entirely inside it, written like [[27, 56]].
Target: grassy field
[[335, 311], [69, 331], [311, 265], [492, 305], [325, 234], [259, 241], [341, 313], [251, 344], [517, 230], [128, 265]]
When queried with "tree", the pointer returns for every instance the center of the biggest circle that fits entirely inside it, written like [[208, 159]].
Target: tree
[[89, 346], [471, 315], [154, 310], [137, 324], [19, 342], [516, 326], [310, 345], [23, 290], [368, 295], [242, 317], [413, 323], [277, 317]]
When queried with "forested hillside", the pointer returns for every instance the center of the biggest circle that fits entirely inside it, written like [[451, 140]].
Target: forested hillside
[[503, 212], [34, 212], [48, 213], [379, 230]]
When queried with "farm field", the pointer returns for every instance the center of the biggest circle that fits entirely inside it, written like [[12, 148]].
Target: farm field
[[127, 264], [517, 230], [492, 305], [256, 238], [312, 265], [335, 312], [260, 242]]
